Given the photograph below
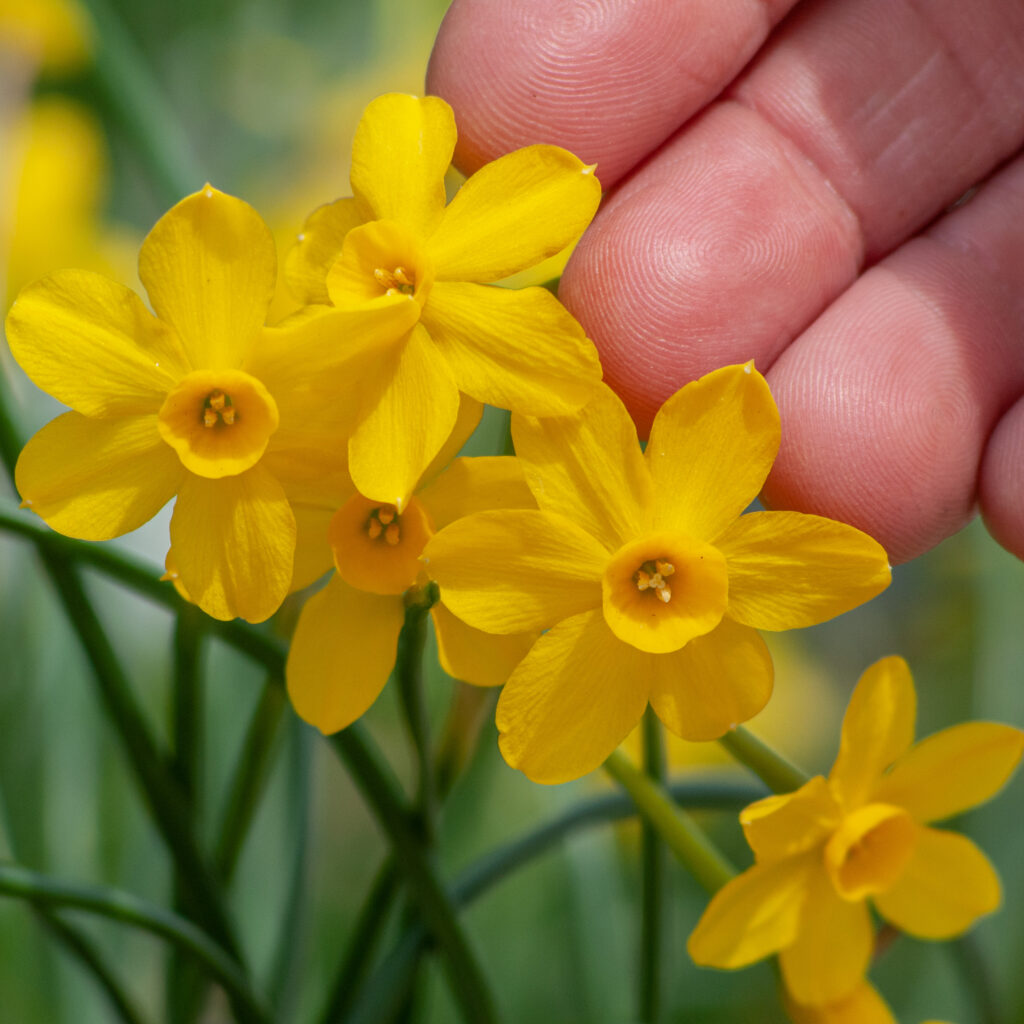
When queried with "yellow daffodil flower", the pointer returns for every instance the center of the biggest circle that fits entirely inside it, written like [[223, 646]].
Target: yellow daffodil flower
[[55, 34], [863, 1006], [201, 401], [395, 240], [863, 833], [344, 645], [649, 581]]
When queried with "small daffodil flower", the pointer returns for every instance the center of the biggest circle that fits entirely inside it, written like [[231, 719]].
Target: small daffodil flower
[[862, 1006], [650, 583], [862, 834], [395, 240]]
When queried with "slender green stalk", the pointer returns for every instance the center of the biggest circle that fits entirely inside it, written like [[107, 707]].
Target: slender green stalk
[[778, 774], [127, 88], [118, 905], [89, 956], [381, 791], [977, 974], [652, 867], [709, 793], [682, 835]]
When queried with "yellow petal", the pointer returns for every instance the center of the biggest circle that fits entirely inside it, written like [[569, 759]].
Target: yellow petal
[[870, 849], [468, 419], [788, 570], [341, 654], [484, 659], [409, 408], [209, 266], [878, 727], [514, 212], [948, 884], [400, 153], [317, 247], [715, 682], [93, 345], [515, 571], [518, 350], [832, 950], [753, 916], [588, 468], [572, 700], [791, 823], [234, 542], [313, 555], [973, 760], [711, 446], [863, 1006], [97, 479], [475, 485]]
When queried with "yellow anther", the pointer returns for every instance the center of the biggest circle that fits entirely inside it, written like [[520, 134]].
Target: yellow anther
[[651, 576], [386, 515], [402, 277], [217, 400], [228, 415], [664, 593], [643, 581], [381, 275], [209, 418], [373, 528], [392, 534], [664, 568]]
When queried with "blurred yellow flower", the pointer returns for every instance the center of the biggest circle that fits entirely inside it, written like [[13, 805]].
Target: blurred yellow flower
[[863, 1006], [861, 834], [344, 645], [650, 582], [397, 241], [202, 402], [53, 34]]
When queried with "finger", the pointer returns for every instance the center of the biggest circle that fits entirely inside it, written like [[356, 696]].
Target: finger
[[607, 80], [1001, 485], [857, 123], [888, 399]]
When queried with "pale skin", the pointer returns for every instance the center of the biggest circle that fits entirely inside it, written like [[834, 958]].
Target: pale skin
[[779, 178]]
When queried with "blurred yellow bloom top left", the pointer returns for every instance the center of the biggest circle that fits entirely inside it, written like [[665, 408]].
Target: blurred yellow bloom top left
[[52, 33], [201, 401]]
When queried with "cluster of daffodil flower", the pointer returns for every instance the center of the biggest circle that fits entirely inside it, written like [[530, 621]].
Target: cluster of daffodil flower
[[587, 575]]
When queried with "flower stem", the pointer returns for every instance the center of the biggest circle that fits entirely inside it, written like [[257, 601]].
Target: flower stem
[[778, 774], [684, 838], [652, 861], [122, 906]]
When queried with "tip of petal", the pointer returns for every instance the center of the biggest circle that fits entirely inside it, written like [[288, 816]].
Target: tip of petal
[[589, 168], [748, 367]]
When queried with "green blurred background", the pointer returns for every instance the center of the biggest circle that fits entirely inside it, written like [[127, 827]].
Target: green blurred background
[[265, 97]]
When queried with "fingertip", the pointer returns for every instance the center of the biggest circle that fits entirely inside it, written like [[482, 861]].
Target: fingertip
[[1001, 481]]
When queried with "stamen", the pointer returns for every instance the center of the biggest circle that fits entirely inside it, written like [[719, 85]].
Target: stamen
[[395, 282], [218, 408], [217, 400], [373, 528], [209, 418], [651, 576], [228, 415], [664, 568], [386, 515], [392, 534], [664, 593]]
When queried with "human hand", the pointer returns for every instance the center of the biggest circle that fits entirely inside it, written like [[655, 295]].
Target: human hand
[[798, 217]]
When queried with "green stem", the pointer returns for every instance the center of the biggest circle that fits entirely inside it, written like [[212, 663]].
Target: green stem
[[684, 837], [87, 954], [778, 774], [710, 793], [122, 906], [977, 973], [652, 860], [131, 93], [382, 792]]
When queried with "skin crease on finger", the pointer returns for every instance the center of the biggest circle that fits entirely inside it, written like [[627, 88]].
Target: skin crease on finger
[[856, 123]]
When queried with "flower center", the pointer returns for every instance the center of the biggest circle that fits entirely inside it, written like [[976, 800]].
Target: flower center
[[395, 282], [664, 590], [376, 548], [218, 421], [869, 850]]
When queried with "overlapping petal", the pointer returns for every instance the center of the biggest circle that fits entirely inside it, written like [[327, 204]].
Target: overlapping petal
[[877, 728], [711, 446], [93, 345], [973, 760], [791, 823], [832, 949], [517, 570], [863, 1006], [313, 557], [317, 247], [756, 914], [409, 410], [97, 478], [342, 653], [572, 700], [475, 485], [514, 212], [788, 570], [234, 542], [519, 350], [484, 659], [946, 886], [588, 468], [400, 153], [715, 682], [209, 266]]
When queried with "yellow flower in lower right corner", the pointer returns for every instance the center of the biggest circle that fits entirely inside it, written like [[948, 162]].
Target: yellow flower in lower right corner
[[863, 1005], [863, 833]]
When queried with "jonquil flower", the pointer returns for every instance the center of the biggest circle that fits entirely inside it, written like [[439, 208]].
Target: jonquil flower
[[344, 645], [649, 581], [395, 240], [863, 1006], [201, 401], [864, 833]]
